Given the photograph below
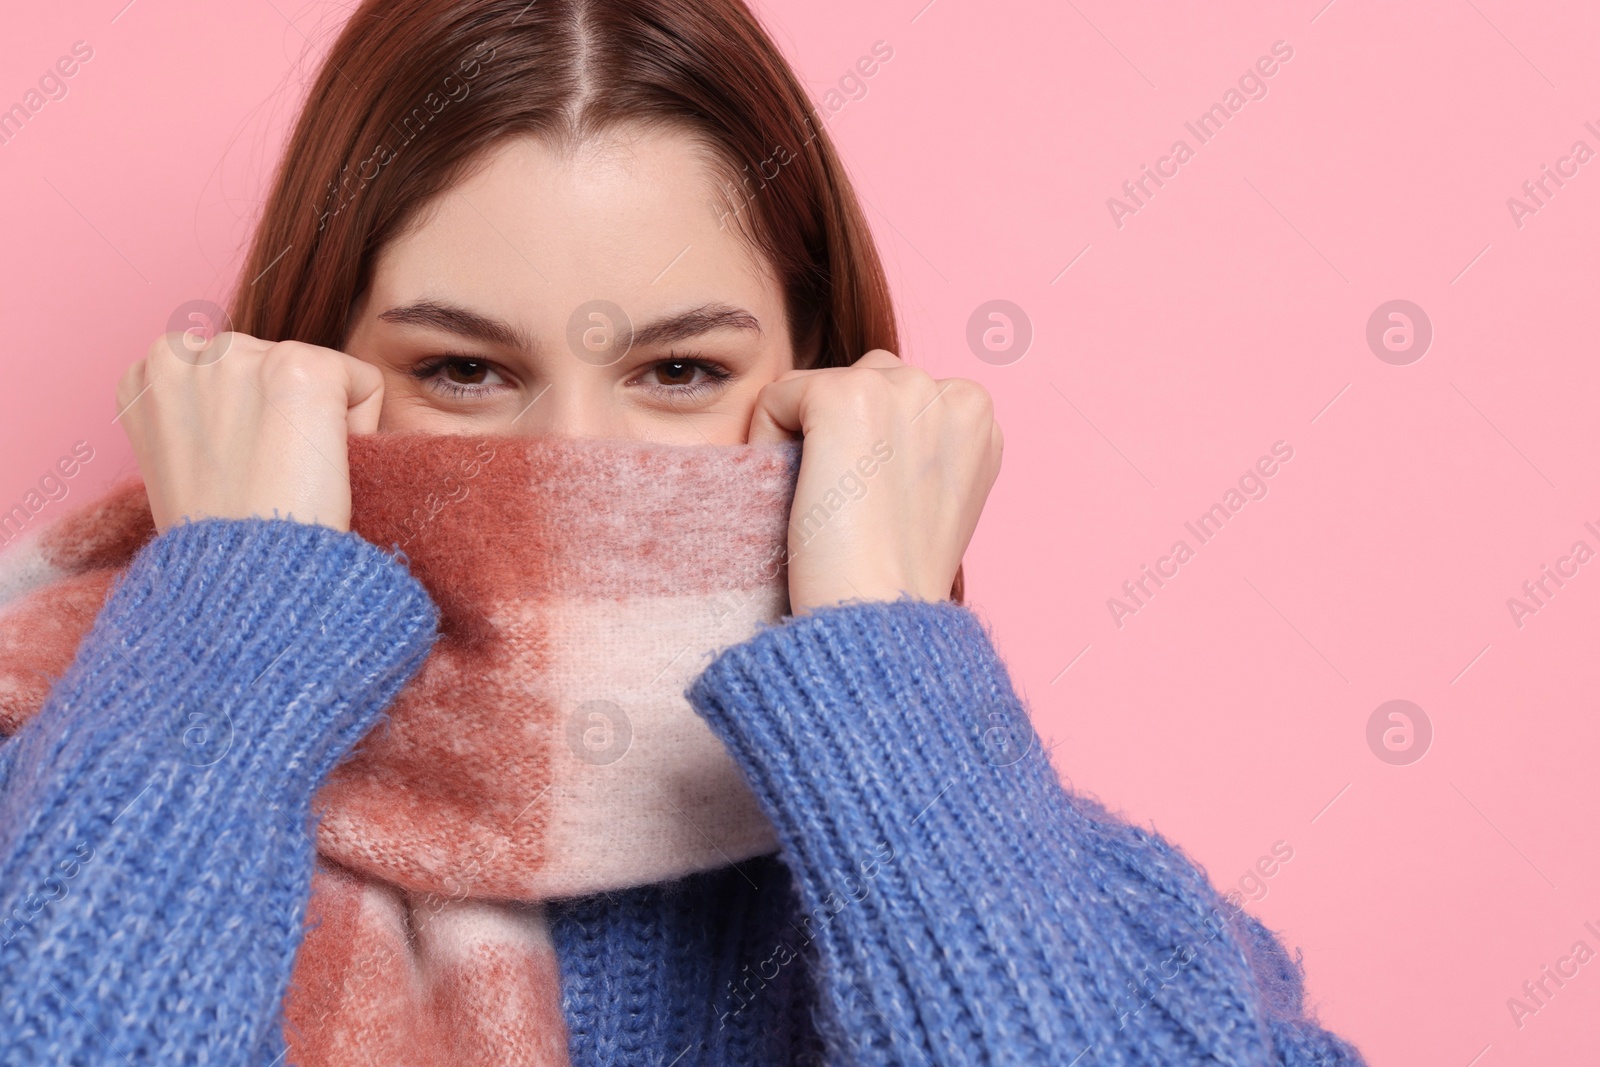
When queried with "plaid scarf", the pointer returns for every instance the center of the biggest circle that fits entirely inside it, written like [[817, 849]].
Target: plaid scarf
[[545, 748]]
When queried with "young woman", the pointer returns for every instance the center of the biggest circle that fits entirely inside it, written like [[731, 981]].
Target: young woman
[[470, 182]]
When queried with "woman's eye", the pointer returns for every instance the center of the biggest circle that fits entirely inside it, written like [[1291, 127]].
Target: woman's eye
[[457, 375], [676, 372], [466, 371], [685, 378]]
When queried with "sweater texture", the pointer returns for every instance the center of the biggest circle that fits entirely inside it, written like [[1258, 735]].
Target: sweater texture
[[937, 895]]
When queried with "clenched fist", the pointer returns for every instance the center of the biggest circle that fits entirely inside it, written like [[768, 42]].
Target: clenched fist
[[236, 427]]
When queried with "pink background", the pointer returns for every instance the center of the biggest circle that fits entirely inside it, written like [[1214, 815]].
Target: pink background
[[1228, 313]]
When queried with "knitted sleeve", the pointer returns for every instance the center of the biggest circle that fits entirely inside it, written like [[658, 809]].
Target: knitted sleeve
[[155, 857], [962, 905]]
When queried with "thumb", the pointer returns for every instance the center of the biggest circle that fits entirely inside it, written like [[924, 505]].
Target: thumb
[[778, 412], [363, 396]]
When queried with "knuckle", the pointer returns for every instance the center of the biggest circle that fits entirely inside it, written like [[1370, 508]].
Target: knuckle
[[229, 342], [165, 348], [286, 351], [971, 398], [917, 382], [294, 365]]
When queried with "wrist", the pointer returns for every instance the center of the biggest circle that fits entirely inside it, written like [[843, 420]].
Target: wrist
[[836, 594]]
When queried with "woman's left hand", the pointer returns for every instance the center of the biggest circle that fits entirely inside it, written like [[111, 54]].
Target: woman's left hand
[[894, 471]]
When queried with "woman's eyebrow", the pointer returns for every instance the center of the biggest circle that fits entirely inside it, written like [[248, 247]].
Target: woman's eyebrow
[[679, 326], [464, 322], [692, 323]]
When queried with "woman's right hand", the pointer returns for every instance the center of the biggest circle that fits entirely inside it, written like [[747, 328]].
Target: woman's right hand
[[239, 427]]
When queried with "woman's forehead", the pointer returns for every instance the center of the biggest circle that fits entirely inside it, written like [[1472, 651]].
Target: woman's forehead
[[633, 218]]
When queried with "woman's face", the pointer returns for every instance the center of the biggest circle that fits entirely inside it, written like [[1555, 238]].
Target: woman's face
[[595, 294]]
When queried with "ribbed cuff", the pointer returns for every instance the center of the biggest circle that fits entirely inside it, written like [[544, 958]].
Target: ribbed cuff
[[263, 648], [877, 718]]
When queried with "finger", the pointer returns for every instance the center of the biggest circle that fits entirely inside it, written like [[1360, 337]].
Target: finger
[[364, 395], [778, 411], [130, 386], [880, 358], [176, 346]]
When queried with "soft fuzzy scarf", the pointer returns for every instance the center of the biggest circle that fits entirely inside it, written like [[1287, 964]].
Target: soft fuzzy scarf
[[545, 748]]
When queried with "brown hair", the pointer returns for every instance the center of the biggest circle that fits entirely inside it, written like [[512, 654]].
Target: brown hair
[[413, 93]]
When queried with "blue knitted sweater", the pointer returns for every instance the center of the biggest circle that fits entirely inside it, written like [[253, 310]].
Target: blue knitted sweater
[[938, 897]]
